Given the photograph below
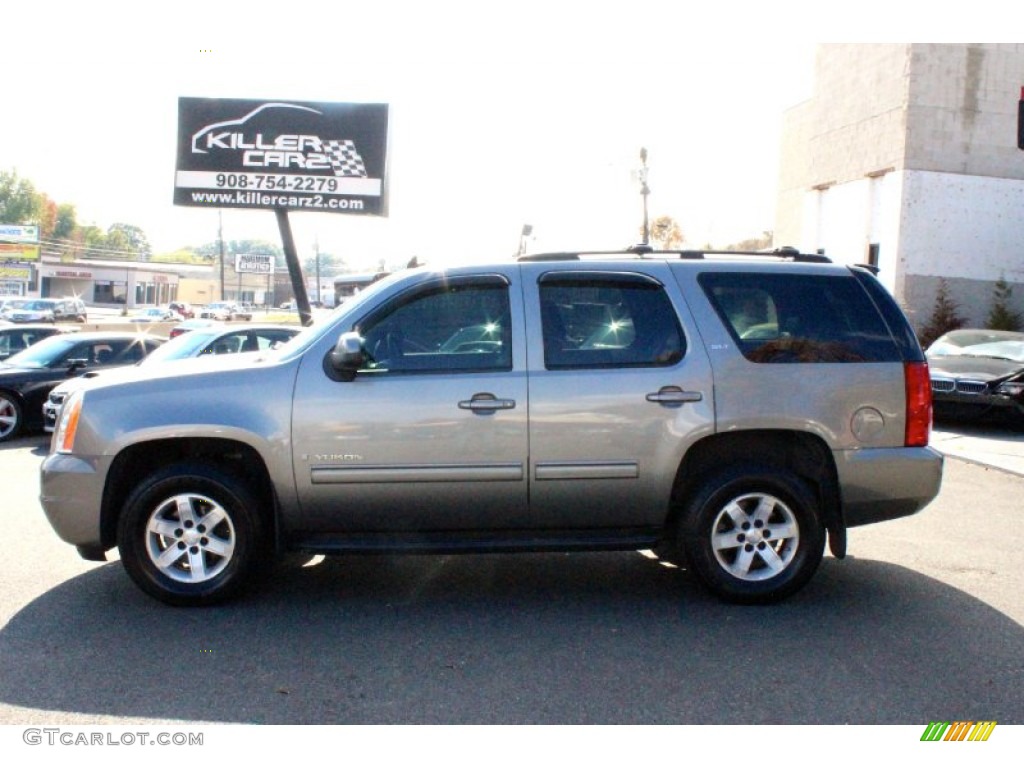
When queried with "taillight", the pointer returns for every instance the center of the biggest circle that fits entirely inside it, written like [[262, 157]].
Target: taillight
[[919, 404]]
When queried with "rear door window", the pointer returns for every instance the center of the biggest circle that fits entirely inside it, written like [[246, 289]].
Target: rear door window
[[607, 320], [799, 318]]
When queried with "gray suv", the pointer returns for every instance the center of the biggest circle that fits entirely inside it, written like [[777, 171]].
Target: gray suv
[[729, 412]]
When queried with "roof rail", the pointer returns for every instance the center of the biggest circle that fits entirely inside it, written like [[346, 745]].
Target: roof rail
[[645, 251]]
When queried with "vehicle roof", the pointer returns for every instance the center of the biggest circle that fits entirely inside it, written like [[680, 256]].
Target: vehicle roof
[[642, 251], [35, 327], [115, 335]]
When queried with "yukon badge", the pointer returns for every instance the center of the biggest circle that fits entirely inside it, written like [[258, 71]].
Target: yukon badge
[[327, 457]]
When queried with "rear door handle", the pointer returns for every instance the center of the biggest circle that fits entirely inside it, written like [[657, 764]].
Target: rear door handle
[[485, 402], [674, 395]]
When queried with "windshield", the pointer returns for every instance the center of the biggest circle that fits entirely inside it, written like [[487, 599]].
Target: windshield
[[351, 308], [999, 346], [38, 305], [186, 345], [42, 354]]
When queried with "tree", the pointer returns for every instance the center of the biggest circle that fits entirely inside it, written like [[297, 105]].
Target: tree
[[19, 201], [1000, 316], [47, 218], [180, 256], [666, 233], [754, 243], [128, 237], [329, 265], [231, 247], [66, 223], [945, 316]]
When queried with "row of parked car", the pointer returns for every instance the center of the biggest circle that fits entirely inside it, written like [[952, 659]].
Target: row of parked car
[[42, 363], [70, 309], [43, 310]]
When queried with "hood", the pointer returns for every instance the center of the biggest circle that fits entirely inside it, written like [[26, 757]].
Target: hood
[[184, 368], [970, 367]]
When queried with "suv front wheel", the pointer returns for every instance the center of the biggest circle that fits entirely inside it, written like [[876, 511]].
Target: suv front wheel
[[752, 534], [191, 535]]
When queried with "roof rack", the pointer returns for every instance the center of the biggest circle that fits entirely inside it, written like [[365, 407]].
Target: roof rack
[[787, 253]]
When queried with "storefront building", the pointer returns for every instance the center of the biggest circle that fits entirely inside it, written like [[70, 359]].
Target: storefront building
[[111, 284]]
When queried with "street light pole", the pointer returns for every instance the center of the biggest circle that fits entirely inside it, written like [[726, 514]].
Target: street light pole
[[644, 192], [316, 245], [220, 241]]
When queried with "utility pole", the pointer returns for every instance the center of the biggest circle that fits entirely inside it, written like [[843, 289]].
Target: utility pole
[[526, 232], [220, 240], [316, 246], [644, 192]]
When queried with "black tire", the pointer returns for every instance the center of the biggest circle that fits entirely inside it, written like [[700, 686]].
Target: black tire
[[12, 419], [210, 518], [726, 531]]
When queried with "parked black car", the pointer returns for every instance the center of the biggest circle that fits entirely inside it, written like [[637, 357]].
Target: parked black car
[[15, 338], [27, 377], [978, 374]]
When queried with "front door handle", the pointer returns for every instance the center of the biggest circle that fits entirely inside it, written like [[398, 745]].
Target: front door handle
[[671, 395], [485, 402]]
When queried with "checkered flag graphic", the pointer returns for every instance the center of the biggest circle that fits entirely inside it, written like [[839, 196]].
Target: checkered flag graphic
[[344, 157]]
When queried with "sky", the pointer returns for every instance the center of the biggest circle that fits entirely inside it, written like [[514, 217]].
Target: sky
[[501, 115]]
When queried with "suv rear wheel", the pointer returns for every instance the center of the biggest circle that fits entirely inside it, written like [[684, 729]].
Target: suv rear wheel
[[752, 534], [191, 535]]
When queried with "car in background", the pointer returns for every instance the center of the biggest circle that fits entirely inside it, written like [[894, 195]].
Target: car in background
[[978, 375], [71, 310], [34, 311], [214, 340], [49, 311], [15, 338], [155, 315], [191, 325], [183, 308], [27, 377], [9, 305], [225, 310]]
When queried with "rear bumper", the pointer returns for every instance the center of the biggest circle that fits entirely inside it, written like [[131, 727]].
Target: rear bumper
[[887, 483]]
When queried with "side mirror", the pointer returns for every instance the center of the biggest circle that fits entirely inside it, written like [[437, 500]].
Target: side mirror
[[348, 356]]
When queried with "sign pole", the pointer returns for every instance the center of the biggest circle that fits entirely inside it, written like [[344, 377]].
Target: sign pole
[[291, 258], [1020, 120]]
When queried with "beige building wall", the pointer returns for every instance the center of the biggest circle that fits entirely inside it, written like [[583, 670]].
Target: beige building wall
[[909, 151]]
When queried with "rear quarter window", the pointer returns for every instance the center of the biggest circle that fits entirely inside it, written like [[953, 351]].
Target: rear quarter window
[[800, 318]]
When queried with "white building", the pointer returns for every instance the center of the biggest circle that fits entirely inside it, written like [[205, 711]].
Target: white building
[[906, 157]]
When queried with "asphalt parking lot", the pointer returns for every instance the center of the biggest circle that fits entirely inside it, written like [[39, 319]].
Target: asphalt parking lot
[[922, 621]]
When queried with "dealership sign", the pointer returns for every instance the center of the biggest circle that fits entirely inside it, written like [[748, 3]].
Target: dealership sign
[[254, 263], [309, 156], [16, 233], [19, 242], [19, 252]]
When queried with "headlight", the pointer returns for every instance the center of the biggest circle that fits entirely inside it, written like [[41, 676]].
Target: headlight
[[1011, 388], [67, 423]]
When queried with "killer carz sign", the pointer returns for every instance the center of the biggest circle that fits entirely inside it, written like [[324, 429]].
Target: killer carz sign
[[304, 156]]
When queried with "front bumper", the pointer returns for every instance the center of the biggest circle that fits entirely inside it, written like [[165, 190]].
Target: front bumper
[[71, 494], [50, 411], [976, 405]]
